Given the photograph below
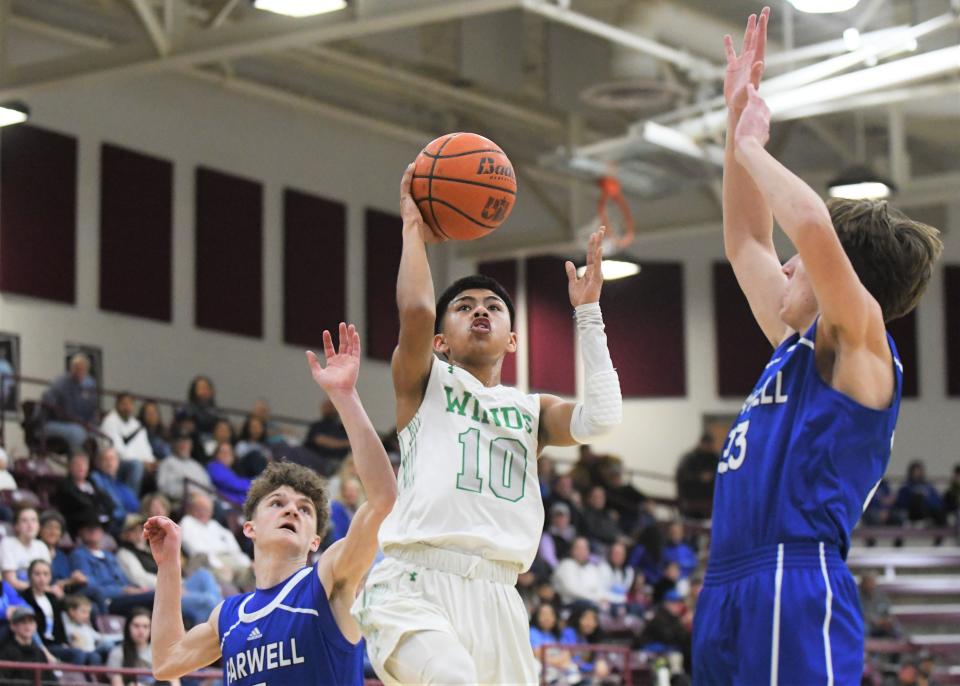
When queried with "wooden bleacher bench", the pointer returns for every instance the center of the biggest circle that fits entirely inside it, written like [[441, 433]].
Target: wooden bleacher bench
[[903, 558], [941, 644], [905, 533], [927, 614], [920, 585]]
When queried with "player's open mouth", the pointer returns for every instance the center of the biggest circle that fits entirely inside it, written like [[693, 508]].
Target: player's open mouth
[[289, 526], [481, 325]]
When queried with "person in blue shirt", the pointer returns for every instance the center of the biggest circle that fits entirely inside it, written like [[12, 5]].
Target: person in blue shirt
[[918, 499], [545, 639], [679, 551], [296, 626], [104, 477], [231, 486], [583, 628]]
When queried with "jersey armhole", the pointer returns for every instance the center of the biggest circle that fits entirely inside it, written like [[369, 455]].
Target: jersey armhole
[[435, 364]]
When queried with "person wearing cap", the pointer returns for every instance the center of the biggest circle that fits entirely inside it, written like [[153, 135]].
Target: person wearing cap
[[557, 538], [666, 630], [19, 646]]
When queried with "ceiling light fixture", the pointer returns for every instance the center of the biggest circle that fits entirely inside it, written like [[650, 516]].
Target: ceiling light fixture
[[824, 6], [613, 269], [13, 113], [860, 183], [300, 8]]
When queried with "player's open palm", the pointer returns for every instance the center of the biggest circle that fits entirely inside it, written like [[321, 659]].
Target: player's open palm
[[343, 364], [163, 535], [755, 120], [586, 288], [747, 67], [410, 213]]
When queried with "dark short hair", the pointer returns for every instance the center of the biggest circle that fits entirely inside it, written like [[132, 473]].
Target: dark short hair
[[892, 254], [121, 395], [477, 281], [52, 516], [301, 479]]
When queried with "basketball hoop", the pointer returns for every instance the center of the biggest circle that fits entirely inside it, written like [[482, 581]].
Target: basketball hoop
[[611, 191]]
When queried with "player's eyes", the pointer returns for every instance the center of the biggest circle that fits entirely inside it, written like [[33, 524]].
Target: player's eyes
[[463, 307], [305, 510], [495, 307]]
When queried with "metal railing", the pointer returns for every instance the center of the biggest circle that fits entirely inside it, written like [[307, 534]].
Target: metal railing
[[38, 668]]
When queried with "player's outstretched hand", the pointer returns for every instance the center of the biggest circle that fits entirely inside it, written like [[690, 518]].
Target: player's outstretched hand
[[343, 364], [755, 120], [410, 213], [586, 289], [163, 534], [747, 67]]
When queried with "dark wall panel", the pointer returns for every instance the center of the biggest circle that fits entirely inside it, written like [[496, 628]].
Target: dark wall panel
[[643, 315], [38, 213], [229, 253], [314, 268], [384, 243], [550, 325], [742, 349], [951, 307], [505, 273], [136, 233], [904, 332]]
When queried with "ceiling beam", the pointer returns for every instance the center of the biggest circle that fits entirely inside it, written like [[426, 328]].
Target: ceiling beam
[[152, 25], [226, 9]]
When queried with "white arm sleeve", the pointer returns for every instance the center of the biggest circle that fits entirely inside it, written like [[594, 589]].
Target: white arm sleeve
[[602, 406]]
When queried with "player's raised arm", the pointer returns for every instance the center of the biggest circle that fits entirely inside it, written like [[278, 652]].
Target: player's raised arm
[[175, 651], [415, 300], [347, 560], [567, 423], [747, 220]]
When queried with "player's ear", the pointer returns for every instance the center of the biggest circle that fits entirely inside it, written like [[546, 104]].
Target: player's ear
[[315, 544], [512, 345], [440, 345], [249, 530]]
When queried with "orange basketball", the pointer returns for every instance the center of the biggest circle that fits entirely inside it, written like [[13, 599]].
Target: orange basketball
[[464, 185]]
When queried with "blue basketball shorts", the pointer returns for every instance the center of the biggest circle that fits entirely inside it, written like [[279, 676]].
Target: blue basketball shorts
[[782, 615]]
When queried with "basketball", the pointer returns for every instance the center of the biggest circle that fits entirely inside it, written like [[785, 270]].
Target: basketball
[[464, 185]]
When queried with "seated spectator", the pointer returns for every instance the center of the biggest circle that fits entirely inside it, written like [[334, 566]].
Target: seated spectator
[[80, 632], [10, 600], [19, 646], [527, 589], [625, 501], [639, 596], [344, 506], [229, 485], [545, 474], [617, 575], [65, 579], [647, 556], [173, 472], [49, 615], [135, 651], [558, 537], [200, 593], [875, 606], [157, 435], [106, 478], [918, 498], [327, 438], [129, 438], [544, 632], [696, 473], [667, 629], [7, 482], [205, 447], [598, 524], [79, 497], [670, 580], [107, 585], [19, 550], [202, 407], [155, 505], [679, 551], [546, 594], [253, 453], [951, 496], [577, 578], [881, 509], [564, 492], [583, 628], [273, 433], [69, 406], [586, 470], [203, 535]]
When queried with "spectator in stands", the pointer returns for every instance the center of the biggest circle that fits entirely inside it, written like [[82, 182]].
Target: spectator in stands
[[231, 487], [598, 524], [253, 453], [545, 631], [670, 580], [696, 472], [20, 646], [65, 579], [205, 448], [80, 632], [881, 509], [639, 596], [527, 589], [202, 406], [583, 628], [647, 556], [951, 496], [200, 593], [80, 498], [625, 501], [9, 601], [679, 551], [135, 651], [558, 537], [203, 535], [106, 478], [7, 482], [19, 550], [156, 505], [157, 434], [578, 578], [70, 405], [918, 498], [107, 585], [666, 631], [129, 437], [49, 615], [344, 506], [564, 492], [875, 606], [174, 471], [586, 471], [617, 575], [327, 438], [274, 432]]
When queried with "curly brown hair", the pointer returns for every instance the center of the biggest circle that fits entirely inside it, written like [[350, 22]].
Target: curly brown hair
[[297, 477], [892, 254]]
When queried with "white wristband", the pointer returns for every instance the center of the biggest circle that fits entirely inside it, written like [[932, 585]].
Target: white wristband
[[602, 407]]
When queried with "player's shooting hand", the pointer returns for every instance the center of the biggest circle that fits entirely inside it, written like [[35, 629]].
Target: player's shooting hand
[[747, 67], [343, 365], [586, 288], [164, 538], [755, 120], [410, 213]]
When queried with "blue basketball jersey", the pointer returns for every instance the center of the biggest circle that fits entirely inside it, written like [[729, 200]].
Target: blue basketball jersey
[[286, 635], [801, 460]]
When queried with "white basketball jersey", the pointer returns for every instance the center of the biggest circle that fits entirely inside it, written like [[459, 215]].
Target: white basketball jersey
[[468, 476]]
